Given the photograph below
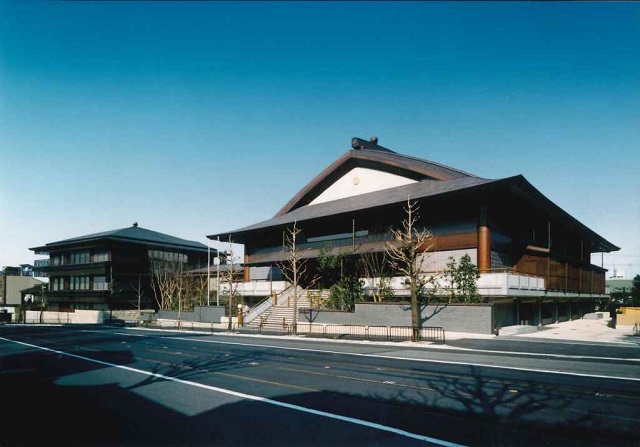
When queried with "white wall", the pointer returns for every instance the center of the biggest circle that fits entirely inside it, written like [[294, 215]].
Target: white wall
[[76, 317], [360, 181], [17, 283], [436, 261]]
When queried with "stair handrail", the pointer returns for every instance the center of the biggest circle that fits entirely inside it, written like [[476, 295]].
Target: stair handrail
[[285, 294], [263, 306], [322, 298]]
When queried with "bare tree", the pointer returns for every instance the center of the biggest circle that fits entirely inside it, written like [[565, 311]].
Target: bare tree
[[179, 282], [197, 288], [374, 266], [227, 277], [295, 269], [405, 253], [43, 300], [139, 291], [166, 282]]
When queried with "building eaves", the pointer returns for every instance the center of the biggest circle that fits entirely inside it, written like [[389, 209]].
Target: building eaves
[[537, 198], [420, 190], [133, 234]]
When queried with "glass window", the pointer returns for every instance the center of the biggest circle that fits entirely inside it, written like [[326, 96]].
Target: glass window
[[79, 283], [100, 256], [167, 255], [57, 284], [100, 283], [80, 257]]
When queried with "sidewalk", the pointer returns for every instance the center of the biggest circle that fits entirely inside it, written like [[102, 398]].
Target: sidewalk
[[587, 330]]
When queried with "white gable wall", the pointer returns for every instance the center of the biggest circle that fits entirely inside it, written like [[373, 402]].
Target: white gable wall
[[360, 181]]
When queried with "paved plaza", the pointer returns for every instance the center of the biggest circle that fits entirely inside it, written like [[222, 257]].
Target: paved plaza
[[584, 329]]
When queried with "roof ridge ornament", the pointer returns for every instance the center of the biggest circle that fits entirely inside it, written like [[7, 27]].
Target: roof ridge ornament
[[372, 144]]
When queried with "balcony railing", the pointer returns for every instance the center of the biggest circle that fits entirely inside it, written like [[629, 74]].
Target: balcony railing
[[257, 288], [505, 283], [335, 243], [41, 263]]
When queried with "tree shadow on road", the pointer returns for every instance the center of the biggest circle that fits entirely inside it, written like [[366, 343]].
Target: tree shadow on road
[[501, 411]]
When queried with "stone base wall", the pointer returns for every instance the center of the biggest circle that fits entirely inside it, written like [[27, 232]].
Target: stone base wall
[[205, 314], [473, 318]]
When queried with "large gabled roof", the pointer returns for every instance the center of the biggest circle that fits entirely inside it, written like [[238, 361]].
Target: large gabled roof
[[431, 180], [378, 158], [133, 234], [422, 190]]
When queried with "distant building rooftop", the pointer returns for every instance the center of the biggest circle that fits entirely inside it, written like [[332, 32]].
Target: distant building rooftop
[[132, 234]]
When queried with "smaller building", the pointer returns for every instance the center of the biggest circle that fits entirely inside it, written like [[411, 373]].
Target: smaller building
[[113, 269], [13, 280]]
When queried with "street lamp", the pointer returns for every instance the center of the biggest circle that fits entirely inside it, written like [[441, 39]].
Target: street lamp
[[217, 261], [240, 316]]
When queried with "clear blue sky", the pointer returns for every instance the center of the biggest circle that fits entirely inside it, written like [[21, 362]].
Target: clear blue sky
[[201, 117]]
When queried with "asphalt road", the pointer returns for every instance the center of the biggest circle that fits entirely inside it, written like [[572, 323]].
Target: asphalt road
[[116, 386]]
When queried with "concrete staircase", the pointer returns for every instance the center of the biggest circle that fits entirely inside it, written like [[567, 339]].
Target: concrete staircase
[[282, 313]]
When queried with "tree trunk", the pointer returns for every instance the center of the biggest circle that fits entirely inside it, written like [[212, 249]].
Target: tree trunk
[[294, 247], [415, 318]]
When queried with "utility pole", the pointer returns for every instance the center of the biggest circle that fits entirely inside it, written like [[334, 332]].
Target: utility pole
[[208, 274], [218, 276]]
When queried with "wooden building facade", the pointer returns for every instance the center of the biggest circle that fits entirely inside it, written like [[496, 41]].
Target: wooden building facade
[[111, 270], [507, 224]]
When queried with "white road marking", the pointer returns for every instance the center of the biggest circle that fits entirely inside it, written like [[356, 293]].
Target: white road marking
[[412, 359], [627, 345], [251, 397], [541, 354]]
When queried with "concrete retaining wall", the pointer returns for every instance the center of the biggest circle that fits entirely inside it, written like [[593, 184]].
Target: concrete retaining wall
[[76, 317], [205, 314], [474, 318]]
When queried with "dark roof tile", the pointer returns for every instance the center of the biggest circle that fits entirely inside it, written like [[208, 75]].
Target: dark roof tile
[[131, 234], [425, 188]]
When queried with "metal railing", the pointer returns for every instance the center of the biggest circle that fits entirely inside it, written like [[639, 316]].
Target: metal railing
[[351, 331], [272, 328]]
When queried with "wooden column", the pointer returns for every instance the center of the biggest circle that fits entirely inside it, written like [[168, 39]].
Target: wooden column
[[484, 242], [247, 276], [548, 275]]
